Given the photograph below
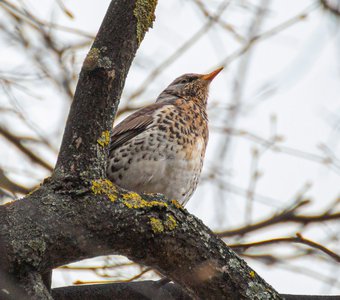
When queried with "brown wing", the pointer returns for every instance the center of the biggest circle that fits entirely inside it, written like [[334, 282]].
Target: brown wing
[[133, 125]]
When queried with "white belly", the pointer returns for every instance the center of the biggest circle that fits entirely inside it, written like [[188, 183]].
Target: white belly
[[165, 169]]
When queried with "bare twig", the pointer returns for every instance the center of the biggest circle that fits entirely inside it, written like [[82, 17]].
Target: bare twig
[[298, 239], [139, 275], [29, 153], [286, 216]]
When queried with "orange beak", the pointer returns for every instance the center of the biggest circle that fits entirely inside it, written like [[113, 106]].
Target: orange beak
[[212, 75]]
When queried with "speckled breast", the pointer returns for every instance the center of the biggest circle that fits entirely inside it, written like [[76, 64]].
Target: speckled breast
[[165, 158]]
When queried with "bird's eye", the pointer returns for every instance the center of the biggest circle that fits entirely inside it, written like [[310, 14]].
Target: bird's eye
[[186, 80]]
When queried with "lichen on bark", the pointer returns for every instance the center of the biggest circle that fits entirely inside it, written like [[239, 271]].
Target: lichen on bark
[[104, 186], [104, 139], [95, 59], [145, 14], [134, 200]]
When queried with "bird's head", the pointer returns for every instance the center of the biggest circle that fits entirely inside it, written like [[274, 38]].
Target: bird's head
[[190, 86]]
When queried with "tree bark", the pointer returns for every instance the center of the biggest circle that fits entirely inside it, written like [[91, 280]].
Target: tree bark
[[78, 213], [144, 290]]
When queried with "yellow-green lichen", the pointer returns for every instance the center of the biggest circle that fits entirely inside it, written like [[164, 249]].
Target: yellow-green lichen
[[104, 140], [145, 14], [95, 59], [104, 187], [134, 200], [170, 222], [156, 225], [176, 204], [252, 274]]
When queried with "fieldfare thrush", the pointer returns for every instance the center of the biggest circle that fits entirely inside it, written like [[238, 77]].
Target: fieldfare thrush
[[160, 148]]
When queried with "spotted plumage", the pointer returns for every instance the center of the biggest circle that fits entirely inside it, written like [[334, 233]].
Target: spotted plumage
[[160, 148]]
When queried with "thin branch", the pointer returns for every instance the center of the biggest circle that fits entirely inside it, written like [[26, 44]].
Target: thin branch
[[185, 46], [286, 216], [331, 6], [29, 153], [137, 276], [298, 239], [267, 34], [11, 186], [272, 144], [95, 268]]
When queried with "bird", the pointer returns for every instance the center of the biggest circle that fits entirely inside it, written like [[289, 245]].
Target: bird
[[160, 148]]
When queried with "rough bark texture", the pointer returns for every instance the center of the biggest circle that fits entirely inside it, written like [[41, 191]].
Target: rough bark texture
[[78, 213], [143, 291], [83, 151], [57, 225]]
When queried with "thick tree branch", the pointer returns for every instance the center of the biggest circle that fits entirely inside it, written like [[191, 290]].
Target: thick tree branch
[[54, 226], [101, 81], [143, 290]]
